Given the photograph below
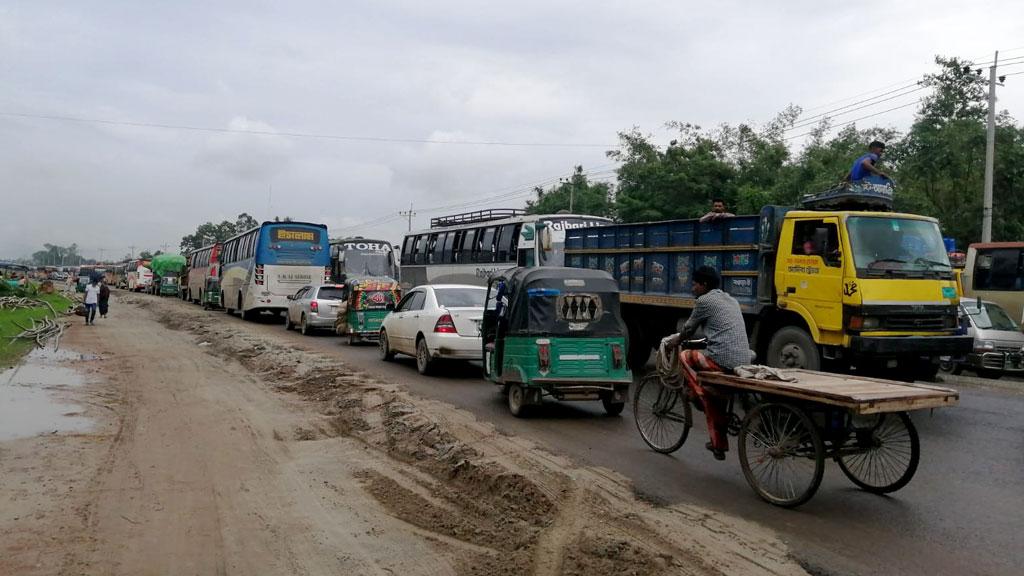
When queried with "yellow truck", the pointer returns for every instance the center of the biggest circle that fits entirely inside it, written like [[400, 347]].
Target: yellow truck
[[820, 289]]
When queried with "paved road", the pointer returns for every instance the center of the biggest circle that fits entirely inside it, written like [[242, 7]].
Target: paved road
[[962, 513]]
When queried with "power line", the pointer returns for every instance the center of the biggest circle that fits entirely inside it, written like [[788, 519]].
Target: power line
[[347, 138], [855, 120], [813, 120]]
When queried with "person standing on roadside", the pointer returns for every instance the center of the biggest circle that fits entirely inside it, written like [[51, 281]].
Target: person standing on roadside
[[104, 299], [92, 300]]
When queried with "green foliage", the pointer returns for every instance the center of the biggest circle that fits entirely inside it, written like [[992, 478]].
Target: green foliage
[[54, 255], [583, 196], [209, 232]]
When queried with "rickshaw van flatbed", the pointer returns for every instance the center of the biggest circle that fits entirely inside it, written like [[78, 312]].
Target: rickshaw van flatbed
[[858, 394]]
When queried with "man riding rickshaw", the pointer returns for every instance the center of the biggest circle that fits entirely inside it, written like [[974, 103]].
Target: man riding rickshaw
[[556, 332], [367, 303]]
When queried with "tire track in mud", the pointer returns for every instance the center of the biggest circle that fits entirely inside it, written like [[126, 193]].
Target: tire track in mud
[[496, 507]]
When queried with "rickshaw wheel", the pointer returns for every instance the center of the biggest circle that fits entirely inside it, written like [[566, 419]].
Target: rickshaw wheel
[[663, 415], [612, 408], [384, 347], [781, 453], [883, 457], [516, 400]]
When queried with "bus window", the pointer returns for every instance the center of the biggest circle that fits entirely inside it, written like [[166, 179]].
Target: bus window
[[485, 245], [506, 248], [437, 248], [433, 254], [446, 249], [407, 246], [419, 250], [468, 244], [998, 269]]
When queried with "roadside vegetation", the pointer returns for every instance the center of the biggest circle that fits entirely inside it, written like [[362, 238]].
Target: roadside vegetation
[[12, 322]]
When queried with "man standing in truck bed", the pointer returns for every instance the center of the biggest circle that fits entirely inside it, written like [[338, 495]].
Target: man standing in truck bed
[[719, 315]]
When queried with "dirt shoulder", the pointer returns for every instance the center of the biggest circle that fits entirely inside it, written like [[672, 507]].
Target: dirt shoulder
[[222, 451]]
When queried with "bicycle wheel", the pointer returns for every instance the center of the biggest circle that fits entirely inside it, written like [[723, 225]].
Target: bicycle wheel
[[882, 456], [663, 415], [781, 453]]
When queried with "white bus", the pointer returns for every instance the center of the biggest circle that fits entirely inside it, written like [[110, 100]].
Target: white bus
[[261, 267], [202, 264], [469, 248], [140, 277]]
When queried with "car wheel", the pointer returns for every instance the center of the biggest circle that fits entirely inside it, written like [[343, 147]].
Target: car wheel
[[424, 363], [303, 327], [384, 347], [288, 321]]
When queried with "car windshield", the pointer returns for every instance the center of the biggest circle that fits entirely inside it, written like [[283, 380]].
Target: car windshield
[[990, 317], [331, 293], [897, 246], [460, 297]]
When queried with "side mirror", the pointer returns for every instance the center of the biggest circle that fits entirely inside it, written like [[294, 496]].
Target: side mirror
[[390, 306]]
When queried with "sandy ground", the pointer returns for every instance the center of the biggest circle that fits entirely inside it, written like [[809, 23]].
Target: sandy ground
[[218, 451]]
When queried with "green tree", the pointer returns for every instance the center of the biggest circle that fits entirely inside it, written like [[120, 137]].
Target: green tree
[[585, 197], [210, 233], [54, 255], [145, 255]]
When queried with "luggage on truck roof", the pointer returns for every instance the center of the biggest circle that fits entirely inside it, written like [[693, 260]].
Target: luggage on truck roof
[[868, 194]]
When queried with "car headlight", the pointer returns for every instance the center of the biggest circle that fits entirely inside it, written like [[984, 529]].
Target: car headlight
[[984, 346]]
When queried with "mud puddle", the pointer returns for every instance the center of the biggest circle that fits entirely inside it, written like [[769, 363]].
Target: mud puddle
[[31, 402]]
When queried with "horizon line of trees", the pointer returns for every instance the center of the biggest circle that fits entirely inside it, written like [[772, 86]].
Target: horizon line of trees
[[938, 165]]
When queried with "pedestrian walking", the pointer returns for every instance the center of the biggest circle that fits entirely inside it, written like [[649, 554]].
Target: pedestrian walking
[[92, 300], [104, 300]]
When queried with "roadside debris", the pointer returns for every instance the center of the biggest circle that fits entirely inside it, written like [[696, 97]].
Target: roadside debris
[[42, 331]]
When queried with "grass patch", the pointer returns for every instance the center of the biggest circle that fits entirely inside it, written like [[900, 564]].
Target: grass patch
[[10, 352]]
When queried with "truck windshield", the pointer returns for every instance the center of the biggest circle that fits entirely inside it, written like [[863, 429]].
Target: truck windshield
[[990, 317], [898, 247]]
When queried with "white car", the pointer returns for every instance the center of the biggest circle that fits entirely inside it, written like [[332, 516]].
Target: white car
[[440, 321]]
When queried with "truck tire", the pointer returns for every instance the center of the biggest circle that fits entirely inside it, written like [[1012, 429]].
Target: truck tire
[[793, 347]]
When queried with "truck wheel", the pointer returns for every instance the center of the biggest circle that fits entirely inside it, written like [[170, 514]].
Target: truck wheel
[[793, 347]]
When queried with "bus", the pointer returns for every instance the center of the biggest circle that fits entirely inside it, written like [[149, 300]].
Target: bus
[[469, 248], [995, 272], [261, 267], [140, 277], [117, 275], [362, 257], [202, 265]]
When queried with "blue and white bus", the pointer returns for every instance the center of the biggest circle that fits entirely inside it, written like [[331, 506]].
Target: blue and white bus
[[261, 267]]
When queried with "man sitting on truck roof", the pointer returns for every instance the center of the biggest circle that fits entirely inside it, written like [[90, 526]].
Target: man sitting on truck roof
[[865, 165], [719, 315], [717, 211]]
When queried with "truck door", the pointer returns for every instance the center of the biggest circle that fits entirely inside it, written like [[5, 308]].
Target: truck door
[[810, 259]]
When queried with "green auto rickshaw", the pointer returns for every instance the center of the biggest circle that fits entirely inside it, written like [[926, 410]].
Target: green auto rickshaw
[[556, 332], [369, 300], [211, 293]]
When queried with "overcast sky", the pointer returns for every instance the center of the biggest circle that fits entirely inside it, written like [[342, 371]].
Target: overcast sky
[[552, 73]]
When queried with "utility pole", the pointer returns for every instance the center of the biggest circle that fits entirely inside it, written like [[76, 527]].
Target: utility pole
[[409, 214], [572, 194], [132, 248], [990, 154], [101, 254]]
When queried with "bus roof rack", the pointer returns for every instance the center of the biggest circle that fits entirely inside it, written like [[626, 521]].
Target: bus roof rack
[[473, 217]]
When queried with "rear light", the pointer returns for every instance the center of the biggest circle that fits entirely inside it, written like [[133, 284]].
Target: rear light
[[544, 355], [445, 325], [327, 274], [616, 356], [259, 274], [314, 307]]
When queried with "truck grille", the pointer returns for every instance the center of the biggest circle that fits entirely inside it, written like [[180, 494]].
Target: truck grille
[[930, 322]]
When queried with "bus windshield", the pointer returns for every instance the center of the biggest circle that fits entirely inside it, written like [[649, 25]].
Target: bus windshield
[[368, 262], [897, 247]]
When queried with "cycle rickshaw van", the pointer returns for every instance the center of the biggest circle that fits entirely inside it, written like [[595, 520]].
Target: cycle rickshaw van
[[369, 301], [558, 332]]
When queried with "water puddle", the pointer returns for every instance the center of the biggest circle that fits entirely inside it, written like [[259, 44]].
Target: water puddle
[[29, 402]]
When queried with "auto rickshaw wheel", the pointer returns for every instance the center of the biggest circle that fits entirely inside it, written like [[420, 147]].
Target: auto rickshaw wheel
[[611, 407], [353, 339], [517, 400]]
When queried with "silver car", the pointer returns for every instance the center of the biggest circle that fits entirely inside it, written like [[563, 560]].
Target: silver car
[[315, 307], [998, 341]]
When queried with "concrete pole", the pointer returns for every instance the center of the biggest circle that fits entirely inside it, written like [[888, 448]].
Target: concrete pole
[[990, 154]]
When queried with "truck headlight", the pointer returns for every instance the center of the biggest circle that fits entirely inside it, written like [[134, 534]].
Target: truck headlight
[[984, 346], [865, 323]]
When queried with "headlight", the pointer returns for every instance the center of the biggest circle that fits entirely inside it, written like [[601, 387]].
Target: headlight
[[865, 323], [984, 346]]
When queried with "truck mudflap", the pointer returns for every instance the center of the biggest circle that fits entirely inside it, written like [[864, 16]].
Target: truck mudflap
[[912, 345]]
